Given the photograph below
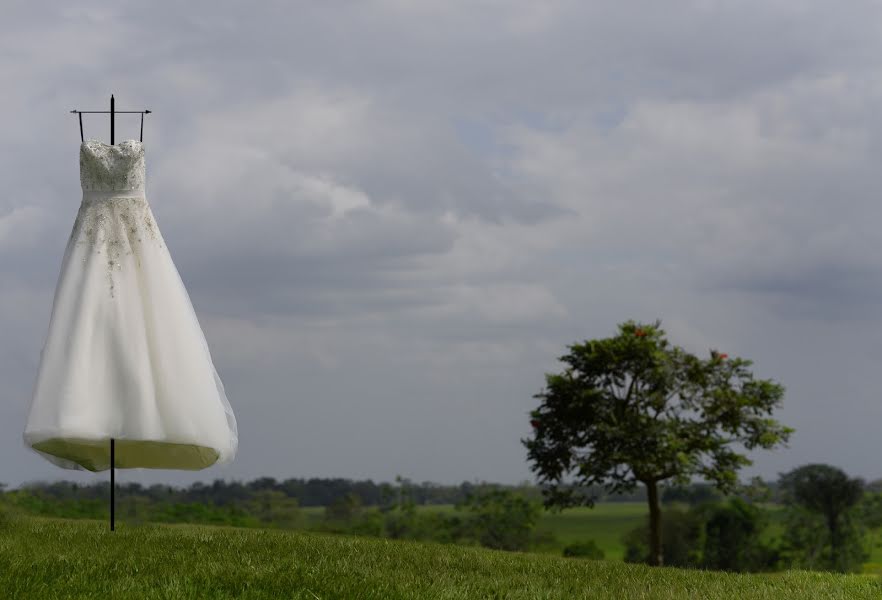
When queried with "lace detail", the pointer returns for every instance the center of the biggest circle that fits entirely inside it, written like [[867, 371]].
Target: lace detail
[[106, 168], [114, 220], [116, 229]]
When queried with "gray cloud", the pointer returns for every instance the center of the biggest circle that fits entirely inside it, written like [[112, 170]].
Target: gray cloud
[[392, 216]]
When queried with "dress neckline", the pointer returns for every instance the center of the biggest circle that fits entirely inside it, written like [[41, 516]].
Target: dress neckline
[[93, 142]]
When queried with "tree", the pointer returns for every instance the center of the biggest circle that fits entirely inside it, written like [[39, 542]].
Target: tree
[[632, 409], [344, 509], [871, 510], [501, 519], [823, 497], [275, 508], [732, 538]]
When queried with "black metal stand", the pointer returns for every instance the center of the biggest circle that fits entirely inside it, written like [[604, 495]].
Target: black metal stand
[[112, 112], [112, 483], [112, 441]]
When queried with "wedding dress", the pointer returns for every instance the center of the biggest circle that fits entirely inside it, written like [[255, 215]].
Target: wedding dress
[[125, 357]]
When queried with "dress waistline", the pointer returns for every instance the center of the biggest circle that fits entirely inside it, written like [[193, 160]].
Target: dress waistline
[[112, 194]]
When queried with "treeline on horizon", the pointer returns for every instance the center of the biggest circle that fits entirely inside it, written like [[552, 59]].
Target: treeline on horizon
[[816, 517], [317, 492]]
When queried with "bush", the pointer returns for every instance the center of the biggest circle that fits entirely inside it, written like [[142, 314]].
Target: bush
[[370, 522], [732, 538], [588, 549], [501, 519], [345, 509], [807, 544]]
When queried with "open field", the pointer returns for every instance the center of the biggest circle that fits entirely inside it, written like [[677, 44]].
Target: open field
[[51, 558]]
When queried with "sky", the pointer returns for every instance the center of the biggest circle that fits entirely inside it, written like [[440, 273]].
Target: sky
[[393, 216]]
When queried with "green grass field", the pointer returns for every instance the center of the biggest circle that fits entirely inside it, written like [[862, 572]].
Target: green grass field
[[50, 558]]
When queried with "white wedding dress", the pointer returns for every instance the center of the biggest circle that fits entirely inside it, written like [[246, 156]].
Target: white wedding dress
[[125, 357]]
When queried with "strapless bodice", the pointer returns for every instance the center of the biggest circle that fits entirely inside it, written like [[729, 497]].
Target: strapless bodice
[[117, 168]]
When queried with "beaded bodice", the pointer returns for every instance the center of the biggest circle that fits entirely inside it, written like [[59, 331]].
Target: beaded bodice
[[106, 168], [114, 222]]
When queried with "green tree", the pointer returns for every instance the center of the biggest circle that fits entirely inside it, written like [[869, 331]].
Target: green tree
[[588, 549], [275, 508], [400, 520], [501, 519], [345, 509], [823, 521], [871, 510], [732, 540], [632, 409]]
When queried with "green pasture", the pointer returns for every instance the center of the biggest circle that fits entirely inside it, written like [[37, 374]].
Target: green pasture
[[52, 558], [605, 523]]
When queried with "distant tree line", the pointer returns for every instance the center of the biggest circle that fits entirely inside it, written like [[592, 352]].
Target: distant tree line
[[307, 492], [489, 515], [326, 491], [819, 517]]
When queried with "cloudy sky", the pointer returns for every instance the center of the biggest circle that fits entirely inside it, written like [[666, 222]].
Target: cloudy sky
[[392, 216]]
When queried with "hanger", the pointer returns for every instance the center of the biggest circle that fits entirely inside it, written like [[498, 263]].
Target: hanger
[[113, 112]]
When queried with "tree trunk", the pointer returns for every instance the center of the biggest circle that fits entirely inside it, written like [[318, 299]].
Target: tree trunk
[[655, 537], [834, 540]]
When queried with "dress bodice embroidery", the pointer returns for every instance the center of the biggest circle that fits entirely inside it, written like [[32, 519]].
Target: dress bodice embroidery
[[117, 168], [114, 219]]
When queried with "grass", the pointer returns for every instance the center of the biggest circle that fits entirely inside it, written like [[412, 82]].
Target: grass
[[51, 558], [606, 523]]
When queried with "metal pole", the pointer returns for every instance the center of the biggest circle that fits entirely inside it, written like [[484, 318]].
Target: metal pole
[[112, 441], [112, 115], [112, 483]]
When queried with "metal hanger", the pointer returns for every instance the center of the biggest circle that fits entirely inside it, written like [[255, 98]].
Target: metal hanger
[[113, 112]]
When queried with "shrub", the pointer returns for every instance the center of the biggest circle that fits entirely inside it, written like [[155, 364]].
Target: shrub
[[588, 549], [732, 538], [501, 519]]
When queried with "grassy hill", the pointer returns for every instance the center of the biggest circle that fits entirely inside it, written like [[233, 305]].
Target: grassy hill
[[50, 558]]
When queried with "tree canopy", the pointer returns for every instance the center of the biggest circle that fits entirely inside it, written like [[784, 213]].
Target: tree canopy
[[828, 494], [632, 409]]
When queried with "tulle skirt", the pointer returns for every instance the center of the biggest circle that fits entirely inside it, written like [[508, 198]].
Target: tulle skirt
[[125, 357]]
